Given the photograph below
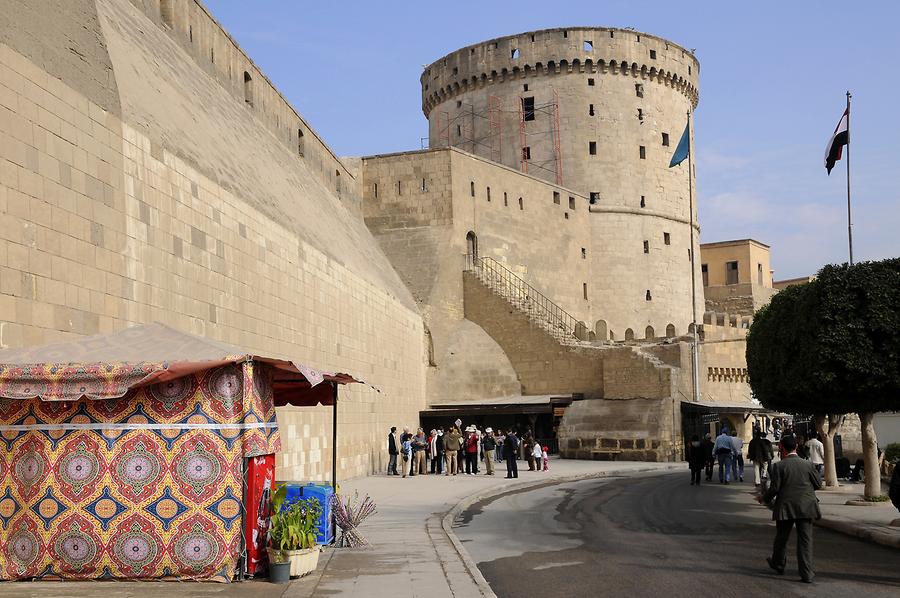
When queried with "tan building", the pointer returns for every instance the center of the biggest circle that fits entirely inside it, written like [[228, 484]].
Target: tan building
[[780, 285], [535, 262], [737, 276], [598, 110]]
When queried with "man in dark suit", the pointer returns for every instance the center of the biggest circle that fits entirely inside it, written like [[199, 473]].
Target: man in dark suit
[[511, 452], [793, 482], [393, 451]]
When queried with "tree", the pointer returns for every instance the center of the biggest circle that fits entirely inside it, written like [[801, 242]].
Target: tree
[[860, 345], [832, 347], [783, 364]]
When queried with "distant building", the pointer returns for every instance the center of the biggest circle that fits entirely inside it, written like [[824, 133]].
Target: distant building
[[737, 276], [780, 285]]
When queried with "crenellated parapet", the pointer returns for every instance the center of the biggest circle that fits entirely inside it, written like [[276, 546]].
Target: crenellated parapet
[[604, 51], [713, 320]]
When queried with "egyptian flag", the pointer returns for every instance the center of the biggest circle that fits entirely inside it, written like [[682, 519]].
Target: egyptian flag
[[837, 142]]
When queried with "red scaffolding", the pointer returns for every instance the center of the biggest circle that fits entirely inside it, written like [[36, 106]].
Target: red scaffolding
[[552, 163], [466, 129]]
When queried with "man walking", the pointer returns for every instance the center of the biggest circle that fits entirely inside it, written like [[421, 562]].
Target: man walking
[[393, 451], [489, 445], [706, 447], [792, 494], [760, 453], [737, 456], [816, 451], [723, 450], [511, 452]]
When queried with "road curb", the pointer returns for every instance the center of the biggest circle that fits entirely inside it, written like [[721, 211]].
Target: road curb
[[870, 533], [447, 520]]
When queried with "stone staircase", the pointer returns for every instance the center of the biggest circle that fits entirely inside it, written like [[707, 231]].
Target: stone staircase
[[524, 298]]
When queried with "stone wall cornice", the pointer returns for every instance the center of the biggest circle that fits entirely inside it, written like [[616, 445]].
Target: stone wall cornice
[[595, 209]]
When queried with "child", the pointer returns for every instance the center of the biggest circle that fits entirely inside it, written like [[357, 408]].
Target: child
[[545, 454]]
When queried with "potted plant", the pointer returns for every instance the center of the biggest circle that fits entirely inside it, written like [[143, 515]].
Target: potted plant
[[292, 532]]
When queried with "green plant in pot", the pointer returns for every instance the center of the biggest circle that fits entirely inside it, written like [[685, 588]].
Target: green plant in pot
[[292, 533]]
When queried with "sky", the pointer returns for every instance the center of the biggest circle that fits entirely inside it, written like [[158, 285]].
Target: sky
[[772, 89]]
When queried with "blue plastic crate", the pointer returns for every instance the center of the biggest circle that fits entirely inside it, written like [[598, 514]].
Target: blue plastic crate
[[293, 493], [322, 492]]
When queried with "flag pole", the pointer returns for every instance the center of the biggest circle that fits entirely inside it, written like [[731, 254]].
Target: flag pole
[[849, 220], [695, 353]]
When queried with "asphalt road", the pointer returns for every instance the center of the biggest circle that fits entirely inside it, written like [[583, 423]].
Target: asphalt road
[[657, 535]]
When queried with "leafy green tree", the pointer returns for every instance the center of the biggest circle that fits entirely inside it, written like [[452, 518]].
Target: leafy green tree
[[860, 345], [783, 363], [831, 347]]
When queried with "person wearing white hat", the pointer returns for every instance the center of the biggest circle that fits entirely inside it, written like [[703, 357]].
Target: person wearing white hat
[[470, 446], [489, 444]]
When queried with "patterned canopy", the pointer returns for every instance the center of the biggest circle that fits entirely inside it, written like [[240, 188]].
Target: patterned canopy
[[107, 366]]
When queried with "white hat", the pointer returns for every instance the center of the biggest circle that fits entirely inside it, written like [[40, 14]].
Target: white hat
[[488, 430], [470, 429]]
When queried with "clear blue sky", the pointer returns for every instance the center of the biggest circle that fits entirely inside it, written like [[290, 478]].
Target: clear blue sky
[[773, 77]]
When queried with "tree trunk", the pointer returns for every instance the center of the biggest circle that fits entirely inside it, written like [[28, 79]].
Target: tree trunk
[[870, 455], [828, 433]]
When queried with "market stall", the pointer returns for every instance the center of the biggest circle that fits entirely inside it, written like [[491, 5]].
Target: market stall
[[127, 455]]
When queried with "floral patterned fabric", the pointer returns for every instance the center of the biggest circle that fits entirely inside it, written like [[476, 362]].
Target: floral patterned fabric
[[145, 486]]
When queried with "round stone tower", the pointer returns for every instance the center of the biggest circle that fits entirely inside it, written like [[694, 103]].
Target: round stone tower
[[600, 111]]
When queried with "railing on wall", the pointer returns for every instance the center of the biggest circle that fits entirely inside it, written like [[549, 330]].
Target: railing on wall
[[524, 297]]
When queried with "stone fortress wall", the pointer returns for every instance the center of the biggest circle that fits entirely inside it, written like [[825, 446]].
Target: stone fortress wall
[[137, 183], [609, 108], [150, 171], [723, 362], [422, 206]]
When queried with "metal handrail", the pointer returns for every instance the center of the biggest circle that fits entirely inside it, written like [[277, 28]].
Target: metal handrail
[[524, 297]]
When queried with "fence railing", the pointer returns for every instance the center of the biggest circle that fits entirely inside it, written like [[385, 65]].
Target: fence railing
[[524, 297]]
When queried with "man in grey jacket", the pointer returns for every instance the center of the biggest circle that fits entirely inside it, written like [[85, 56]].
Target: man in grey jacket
[[792, 495]]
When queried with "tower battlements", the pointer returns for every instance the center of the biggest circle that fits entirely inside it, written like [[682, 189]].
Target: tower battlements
[[601, 50], [598, 110]]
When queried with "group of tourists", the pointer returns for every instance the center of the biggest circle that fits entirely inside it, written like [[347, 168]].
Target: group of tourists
[[728, 451], [460, 451]]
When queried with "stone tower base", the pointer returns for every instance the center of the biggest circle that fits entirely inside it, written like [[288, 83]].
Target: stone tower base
[[627, 429]]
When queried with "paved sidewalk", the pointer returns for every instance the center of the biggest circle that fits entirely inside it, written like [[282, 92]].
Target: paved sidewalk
[[413, 555], [871, 522]]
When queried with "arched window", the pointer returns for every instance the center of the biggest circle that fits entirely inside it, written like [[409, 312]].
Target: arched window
[[670, 331], [248, 88], [649, 332], [600, 329], [300, 143], [629, 334]]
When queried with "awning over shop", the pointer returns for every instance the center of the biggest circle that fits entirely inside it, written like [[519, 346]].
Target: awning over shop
[[108, 366], [710, 407], [530, 404]]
